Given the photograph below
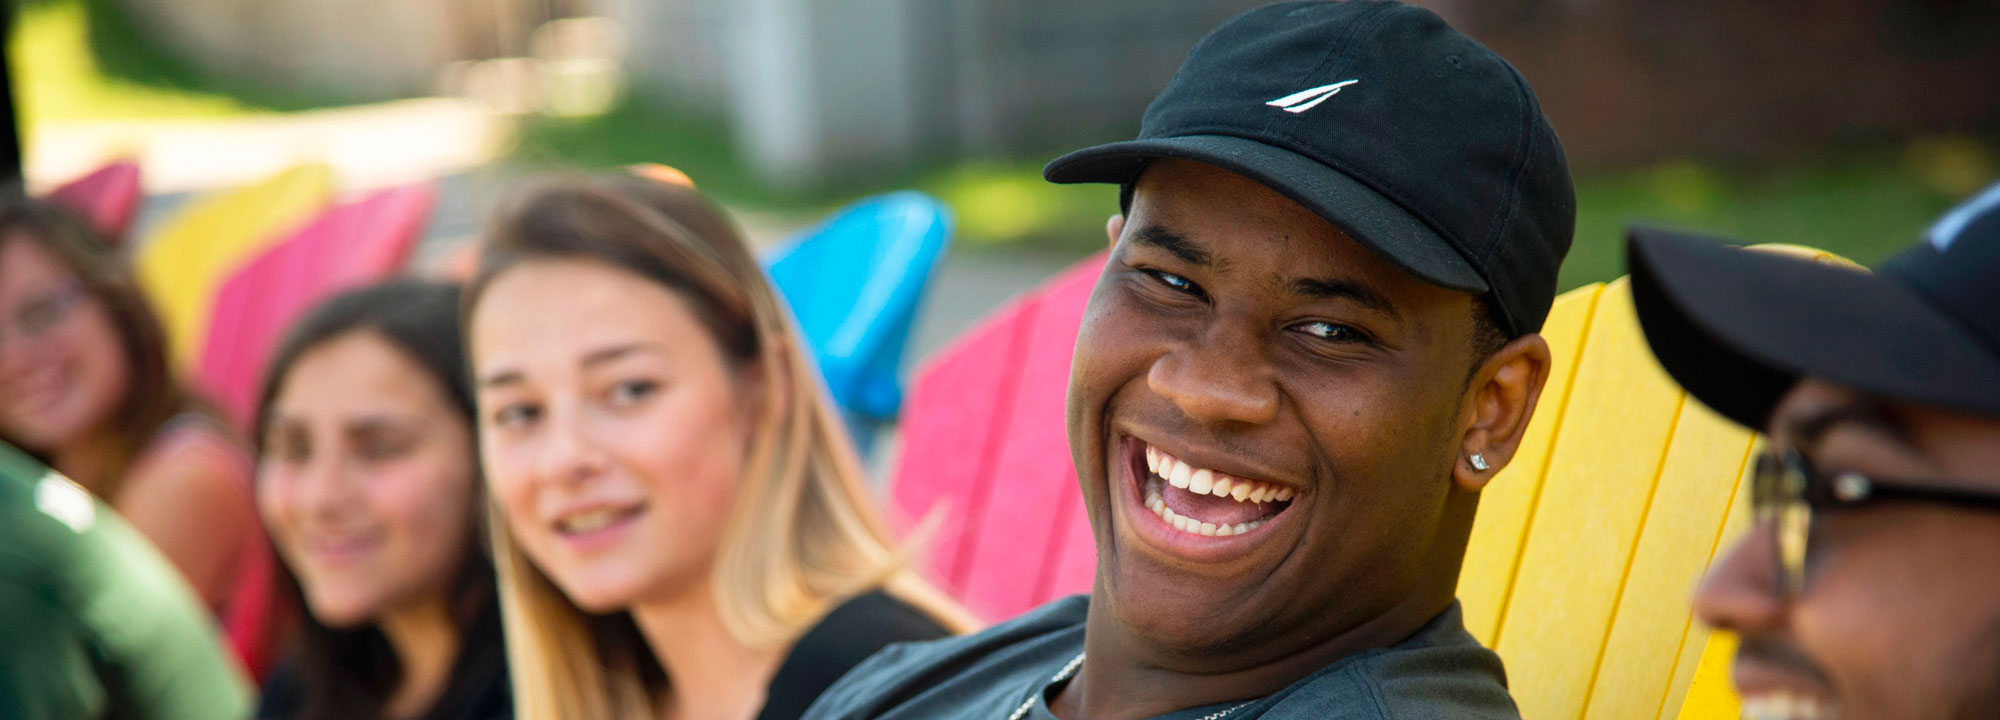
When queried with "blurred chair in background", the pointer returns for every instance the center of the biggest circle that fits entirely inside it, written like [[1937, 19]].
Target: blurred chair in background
[[350, 244], [854, 283], [184, 262], [108, 197], [1581, 561]]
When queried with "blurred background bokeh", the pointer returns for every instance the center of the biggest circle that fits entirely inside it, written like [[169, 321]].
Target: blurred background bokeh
[[1842, 124]]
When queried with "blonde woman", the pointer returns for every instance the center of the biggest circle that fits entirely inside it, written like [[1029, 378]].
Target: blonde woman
[[683, 530]]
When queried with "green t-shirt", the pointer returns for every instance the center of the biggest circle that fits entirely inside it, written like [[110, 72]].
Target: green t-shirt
[[94, 622]]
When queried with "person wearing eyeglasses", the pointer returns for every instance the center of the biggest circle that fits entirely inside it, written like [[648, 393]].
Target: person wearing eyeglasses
[[1869, 586], [86, 388]]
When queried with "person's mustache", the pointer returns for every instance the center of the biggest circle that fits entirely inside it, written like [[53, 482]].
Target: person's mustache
[[1779, 654]]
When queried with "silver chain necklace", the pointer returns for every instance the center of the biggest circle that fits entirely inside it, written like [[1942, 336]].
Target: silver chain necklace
[[1070, 669]]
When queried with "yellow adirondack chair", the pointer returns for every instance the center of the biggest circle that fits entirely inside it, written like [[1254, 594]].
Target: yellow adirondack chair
[[1587, 547], [184, 262]]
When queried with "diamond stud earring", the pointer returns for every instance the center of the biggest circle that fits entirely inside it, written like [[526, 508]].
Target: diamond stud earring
[[1478, 462]]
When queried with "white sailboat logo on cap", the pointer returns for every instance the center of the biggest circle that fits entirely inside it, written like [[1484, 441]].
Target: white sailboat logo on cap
[[1304, 100]]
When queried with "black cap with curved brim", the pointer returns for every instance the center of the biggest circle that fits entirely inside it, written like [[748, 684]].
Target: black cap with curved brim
[[1738, 328], [1410, 137]]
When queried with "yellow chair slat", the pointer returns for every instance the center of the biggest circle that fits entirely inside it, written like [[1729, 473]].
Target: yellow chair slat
[[1691, 501], [184, 262], [1710, 694], [1588, 546], [1509, 500], [1622, 410], [1704, 668]]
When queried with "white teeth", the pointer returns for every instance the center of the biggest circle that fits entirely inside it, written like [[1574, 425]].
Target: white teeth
[[587, 521], [1201, 482], [1187, 524], [1241, 492], [1209, 482], [1783, 706]]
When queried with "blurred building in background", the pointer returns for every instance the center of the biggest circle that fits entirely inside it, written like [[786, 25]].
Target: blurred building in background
[[817, 90]]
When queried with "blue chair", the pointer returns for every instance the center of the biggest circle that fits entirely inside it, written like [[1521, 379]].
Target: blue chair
[[854, 284]]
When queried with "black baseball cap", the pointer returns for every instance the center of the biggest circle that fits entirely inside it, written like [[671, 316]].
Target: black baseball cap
[[1738, 328], [1416, 141]]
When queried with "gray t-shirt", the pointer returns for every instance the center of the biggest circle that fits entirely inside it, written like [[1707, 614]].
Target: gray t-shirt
[[1440, 672]]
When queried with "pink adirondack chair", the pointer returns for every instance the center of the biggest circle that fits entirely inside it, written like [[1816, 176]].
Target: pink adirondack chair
[[349, 244], [988, 409], [108, 197]]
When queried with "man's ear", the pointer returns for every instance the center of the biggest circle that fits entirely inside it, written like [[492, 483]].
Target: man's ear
[[1499, 402], [1114, 227]]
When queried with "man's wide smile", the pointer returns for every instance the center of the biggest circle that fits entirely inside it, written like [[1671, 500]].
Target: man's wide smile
[[1193, 512]]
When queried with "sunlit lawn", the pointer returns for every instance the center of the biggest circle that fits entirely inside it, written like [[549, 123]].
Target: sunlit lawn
[[1862, 203]]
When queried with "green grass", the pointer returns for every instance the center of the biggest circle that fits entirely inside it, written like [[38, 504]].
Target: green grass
[[1863, 203]]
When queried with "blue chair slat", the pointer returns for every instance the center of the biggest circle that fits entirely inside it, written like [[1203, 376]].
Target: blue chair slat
[[854, 284]]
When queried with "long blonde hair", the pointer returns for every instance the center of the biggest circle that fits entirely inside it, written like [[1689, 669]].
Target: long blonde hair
[[803, 534]]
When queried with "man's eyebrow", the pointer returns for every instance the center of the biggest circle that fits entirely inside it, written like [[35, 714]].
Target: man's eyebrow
[[1808, 430], [1337, 289], [1175, 243]]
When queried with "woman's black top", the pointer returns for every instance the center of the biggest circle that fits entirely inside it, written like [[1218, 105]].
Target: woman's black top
[[478, 688], [840, 641]]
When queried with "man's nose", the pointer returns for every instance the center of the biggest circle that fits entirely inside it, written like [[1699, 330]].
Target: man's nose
[[1740, 593], [1217, 378]]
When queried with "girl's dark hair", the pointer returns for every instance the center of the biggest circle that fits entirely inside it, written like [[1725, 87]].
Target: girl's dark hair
[[152, 394], [350, 673]]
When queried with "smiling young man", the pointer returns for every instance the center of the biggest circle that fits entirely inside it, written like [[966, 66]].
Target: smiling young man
[[1312, 345], [1869, 586]]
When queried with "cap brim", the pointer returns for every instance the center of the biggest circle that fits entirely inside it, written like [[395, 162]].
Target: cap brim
[[1367, 216], [1737, 328]]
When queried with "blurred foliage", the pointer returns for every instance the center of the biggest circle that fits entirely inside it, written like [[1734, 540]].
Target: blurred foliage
[[88, 60], [85, 60], [58, 77], [996, 203], [1862, 203]]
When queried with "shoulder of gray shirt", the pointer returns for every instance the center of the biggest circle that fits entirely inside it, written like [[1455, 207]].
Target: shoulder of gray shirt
[[1439, 672]]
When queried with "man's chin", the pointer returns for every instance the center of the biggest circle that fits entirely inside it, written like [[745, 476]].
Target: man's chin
[[1162, 610]]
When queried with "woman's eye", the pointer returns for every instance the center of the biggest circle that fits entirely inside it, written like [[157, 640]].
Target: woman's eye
[[1332, 332], [515, 415], [288, 453], [381, 449], [626, 393]]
